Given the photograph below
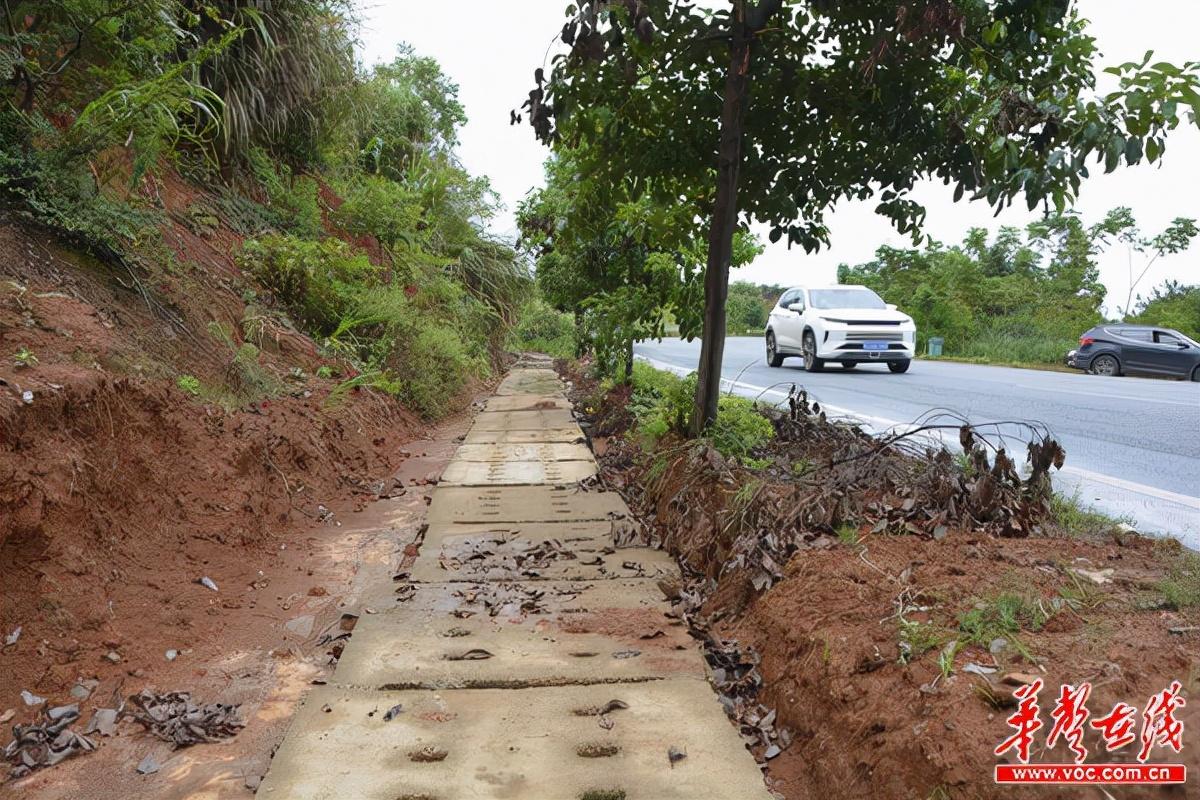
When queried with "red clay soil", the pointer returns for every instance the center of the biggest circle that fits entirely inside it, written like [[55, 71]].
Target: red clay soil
[[119, 492], [865, 725], [862, 723]]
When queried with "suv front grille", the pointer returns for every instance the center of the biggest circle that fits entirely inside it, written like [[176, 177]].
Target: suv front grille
[[855, 336]]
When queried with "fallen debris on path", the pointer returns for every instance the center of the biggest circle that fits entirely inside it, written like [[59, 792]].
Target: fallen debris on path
[[174, 718], [46, 742]]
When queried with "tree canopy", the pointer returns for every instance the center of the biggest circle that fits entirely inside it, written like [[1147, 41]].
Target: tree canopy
[[774, 112]]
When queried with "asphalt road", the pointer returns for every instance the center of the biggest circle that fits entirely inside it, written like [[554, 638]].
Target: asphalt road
[[1133, 444]]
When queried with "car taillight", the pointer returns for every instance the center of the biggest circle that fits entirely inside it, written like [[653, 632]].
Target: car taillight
[[1085, 340]]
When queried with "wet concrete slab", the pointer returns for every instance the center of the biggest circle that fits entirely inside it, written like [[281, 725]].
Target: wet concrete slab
[[570, 433], [497, 635], [487, 504], [583, 551], [487, 667], [524, 381], [526, 402], [523, 420], [502, 452], [515, 473], [533, 744]]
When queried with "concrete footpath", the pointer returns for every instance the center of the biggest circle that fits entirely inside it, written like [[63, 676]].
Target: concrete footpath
[[523, 654]]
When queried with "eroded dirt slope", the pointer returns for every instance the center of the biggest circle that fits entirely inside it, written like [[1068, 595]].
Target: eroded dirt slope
[[120, 491]]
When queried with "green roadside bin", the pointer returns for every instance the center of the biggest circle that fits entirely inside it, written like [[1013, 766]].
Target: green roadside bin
[[935, 345]]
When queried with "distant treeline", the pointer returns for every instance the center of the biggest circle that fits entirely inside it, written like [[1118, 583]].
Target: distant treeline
[[1021, 296]]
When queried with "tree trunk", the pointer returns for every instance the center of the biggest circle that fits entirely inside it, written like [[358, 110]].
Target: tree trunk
[[724, 222], [580, 344], [629, 362]]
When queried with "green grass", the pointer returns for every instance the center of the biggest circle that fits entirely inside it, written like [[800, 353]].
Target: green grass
[[1075, 518], [24, 358], [847, 534], [918, 638], [1181, 587], [1002, 616], [1001, 347]]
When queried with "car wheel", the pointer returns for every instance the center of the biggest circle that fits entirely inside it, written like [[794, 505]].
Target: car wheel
[[849, 364], [1105, 365], [811, 362], [899, 366], [1196, 375], [773, 357]]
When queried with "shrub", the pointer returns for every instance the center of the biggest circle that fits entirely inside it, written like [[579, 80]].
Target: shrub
[[318, 282], [189, 384], [739, 428], [376, 206], [413, 352], [294, 198], [662, 403], [542, 329]]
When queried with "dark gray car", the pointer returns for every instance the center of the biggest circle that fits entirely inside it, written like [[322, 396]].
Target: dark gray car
[[1119, 348]]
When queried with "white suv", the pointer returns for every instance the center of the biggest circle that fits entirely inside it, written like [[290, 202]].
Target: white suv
[[847, 324]]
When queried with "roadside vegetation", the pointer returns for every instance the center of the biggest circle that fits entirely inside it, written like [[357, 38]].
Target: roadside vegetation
[[648, 179], [1024, 296], [854, 578], [339, 185]]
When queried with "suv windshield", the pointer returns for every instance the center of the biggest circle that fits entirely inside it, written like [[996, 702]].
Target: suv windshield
[[845, 298]]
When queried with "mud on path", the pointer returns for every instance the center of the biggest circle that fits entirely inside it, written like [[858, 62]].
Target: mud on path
[[259, 641], [119, 492]]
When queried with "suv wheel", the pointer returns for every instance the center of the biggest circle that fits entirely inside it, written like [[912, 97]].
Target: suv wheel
[[899, 366], [773, 357], [1105, 365], [1196, 375], [811, 362]]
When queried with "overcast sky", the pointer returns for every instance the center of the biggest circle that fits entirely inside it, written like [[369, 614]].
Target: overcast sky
[[490, 49]]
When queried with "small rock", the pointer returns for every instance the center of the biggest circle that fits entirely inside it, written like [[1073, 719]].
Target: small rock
[[978, 669], [1126, 528], [113, 656], [302, 626], [208, 583], [771, 752], [252, 782], [392, 713], [7, 715], [998, 645], [12, 638], [675, 755], [1097, 576], [1019, 679], [171, 655], [27, 397], [149, 765], [80, 692], [31, 699]]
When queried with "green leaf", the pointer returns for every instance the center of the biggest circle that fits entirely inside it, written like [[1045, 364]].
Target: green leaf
[[1133, 150], [1152, 150]]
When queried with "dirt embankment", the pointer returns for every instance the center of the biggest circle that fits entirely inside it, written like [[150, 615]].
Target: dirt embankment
[[890, 660], [121, 486]]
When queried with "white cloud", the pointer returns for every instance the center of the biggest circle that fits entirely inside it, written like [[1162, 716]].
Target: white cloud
[[491, 49]]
